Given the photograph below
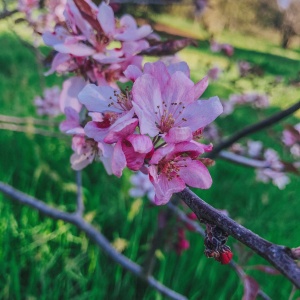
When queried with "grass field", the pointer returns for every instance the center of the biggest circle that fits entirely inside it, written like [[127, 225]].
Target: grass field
[[45, 259]]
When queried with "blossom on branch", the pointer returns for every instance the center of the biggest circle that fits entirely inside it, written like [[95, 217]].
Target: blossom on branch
[[84, 42]]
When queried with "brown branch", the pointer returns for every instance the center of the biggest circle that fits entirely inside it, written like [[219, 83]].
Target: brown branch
[[197, 227], [253, 128], [278, 256], [93, 234], [7, 13]]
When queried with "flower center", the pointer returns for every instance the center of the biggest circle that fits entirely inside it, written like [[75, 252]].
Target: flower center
[[170, 168], [123, 101]]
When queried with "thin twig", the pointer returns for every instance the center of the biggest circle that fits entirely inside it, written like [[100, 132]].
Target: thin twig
[[7, 13], [253, 128], [93, 234], [27, 120], [31, 130], [242, 160], [278, 256], [80, 205]]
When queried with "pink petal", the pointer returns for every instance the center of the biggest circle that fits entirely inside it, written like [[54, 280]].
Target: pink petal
[[147, 101], [106, 18], [195, 174], [164, 188], [98, 98], [181, 66], [93, 131], [121, 131], [128, 22], [140, 143], [161, 153], [159, 71], [118, 160], [133, 72], [193, 149], [178, 89], [202, 112], [76, 48], [178, 134], [134, 160], [59, 59], [69, 94], [80, 161], [200, 88]]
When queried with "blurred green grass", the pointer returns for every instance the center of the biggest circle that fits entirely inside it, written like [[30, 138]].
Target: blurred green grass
[[45, 259]]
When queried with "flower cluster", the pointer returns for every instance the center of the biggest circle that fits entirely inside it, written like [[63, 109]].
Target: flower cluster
[[274, 170], [42, 19], [255, 99], [48, 104], [152, 127], [155, 126], [227, 49], [94, 44]]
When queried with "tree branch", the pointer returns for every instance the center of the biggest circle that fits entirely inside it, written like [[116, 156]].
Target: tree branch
[[93, 234], [253, 128], [197, 227], [7, 13], [242, 160], [278, 256]]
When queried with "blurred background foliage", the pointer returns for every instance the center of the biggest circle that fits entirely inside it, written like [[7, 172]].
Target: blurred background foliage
[[44, 259]]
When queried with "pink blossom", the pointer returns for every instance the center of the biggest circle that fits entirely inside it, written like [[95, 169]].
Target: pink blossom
[[214, 73], [225, 48], [280, 179], [84, 44], [86, 151], [141, 186], [275, 172], [254, 148], [70, 105], [165, 101], [49, 103], [175, 165], [126, 30], [244, 68]]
